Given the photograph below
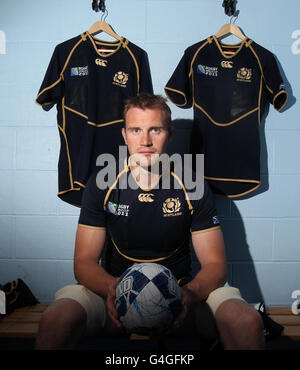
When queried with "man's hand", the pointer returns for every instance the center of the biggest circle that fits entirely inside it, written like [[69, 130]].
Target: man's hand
[[188, 298], [110, 303]]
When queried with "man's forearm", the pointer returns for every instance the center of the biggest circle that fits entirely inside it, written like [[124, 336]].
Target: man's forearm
[[209, 278], [93, 276]]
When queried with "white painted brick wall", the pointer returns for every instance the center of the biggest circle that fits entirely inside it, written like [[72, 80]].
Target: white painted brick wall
[[37, 229]]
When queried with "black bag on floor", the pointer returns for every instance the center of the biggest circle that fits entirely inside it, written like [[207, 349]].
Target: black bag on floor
[[17, 295]]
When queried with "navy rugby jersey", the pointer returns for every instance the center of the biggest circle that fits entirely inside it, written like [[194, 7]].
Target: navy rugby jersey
[[229, 87], [147, 225], [89, 87]]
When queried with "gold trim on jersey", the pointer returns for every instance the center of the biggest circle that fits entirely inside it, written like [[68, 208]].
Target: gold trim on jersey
[[61, 75], [125, 170], [286, 99], [205, 230], [228, 179], [92, 123], [241, 194], [67, 148], [261, 70], [228, 123], [69, 57], [235, 180], [238, 46], [259, 97], [106, 43], [76, 112], [185, 192], [176, 91], [62, 129], [92, 227], [144, 260], [191, 73], [262, 73], [104, 124], [195, 55], [136, 66], [270, 90], [79, 183], [66, 191], [260, 67], [63, 115], [47, 88]]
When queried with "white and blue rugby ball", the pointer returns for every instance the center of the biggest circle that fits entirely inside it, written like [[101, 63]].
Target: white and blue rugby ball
[[147, 298]]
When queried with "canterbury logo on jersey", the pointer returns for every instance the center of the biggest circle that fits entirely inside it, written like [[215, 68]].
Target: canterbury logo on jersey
[[101, 62], [226, 64], [144, 197], [120, 79], [244, 74], [171, 207]]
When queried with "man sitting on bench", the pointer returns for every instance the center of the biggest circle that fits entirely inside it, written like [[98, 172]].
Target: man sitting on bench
[[143, 233]]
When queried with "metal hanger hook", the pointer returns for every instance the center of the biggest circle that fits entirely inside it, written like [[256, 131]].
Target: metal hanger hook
[[104, 15], [234, 16]]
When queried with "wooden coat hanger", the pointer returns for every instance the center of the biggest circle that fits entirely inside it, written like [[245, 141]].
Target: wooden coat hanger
[[230, 28], [102, 26]]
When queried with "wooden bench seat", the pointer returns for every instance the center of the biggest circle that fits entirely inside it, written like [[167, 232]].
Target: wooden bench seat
[[23, 322], [283, 315]]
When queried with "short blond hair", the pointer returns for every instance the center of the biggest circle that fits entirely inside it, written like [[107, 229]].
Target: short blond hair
[[150, 101]]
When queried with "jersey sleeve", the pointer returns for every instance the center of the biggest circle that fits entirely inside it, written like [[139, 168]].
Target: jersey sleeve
[[51, 90], [178, 88], [145, 75], [204, 217], [92, 214], [276, 93]]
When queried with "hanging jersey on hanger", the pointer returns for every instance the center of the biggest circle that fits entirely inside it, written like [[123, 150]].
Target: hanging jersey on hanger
[[229, 87], [89, 80]]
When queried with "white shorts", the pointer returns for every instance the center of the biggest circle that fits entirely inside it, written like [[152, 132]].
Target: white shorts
[[96, 309], [93, 304], [221, 295]]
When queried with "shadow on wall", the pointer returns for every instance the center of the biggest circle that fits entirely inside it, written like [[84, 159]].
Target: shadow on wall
[[291, 98], [237, 248], [238, 253]]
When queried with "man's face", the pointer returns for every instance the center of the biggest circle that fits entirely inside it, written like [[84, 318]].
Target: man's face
[[145, 135]]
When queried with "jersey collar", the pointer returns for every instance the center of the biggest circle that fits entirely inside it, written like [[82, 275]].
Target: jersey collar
[[238, 47], [96, 43]]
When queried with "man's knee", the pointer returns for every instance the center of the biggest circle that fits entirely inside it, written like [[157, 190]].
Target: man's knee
[[231, 309], [63, 323], [252, 320], [63, 312], [61, 316], [239, 314], [240, 325]]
